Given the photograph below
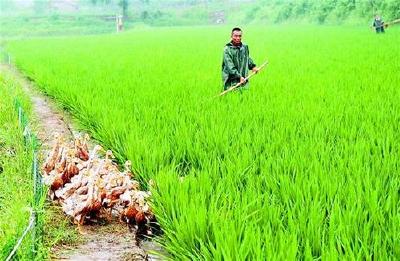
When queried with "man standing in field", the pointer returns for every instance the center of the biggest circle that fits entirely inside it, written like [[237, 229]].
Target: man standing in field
[[378, 24], [236, 62]]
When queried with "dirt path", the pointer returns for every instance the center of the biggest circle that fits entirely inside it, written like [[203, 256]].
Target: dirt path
[[107, 242], [111, 241]]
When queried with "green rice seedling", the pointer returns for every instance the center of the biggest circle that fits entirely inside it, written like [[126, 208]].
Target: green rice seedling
[[304, 165]]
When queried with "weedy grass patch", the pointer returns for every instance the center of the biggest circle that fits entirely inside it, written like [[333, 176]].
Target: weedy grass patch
[[16, 183]]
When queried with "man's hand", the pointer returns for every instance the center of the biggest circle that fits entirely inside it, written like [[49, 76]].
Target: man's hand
[[255, 70], [242, 80]]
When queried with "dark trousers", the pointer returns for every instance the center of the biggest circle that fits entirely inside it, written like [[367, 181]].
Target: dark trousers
[[380, 30]]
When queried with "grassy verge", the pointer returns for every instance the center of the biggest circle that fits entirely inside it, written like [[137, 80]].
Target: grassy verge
[[16, 185]]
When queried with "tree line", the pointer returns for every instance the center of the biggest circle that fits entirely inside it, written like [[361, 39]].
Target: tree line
[[322, 10]]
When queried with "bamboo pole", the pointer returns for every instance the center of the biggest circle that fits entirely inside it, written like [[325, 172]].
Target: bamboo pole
[[397, 21], [245, 80]]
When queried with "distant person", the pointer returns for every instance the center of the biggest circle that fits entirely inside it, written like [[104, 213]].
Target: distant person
[[120, 23], [236, 61], [378, 24]]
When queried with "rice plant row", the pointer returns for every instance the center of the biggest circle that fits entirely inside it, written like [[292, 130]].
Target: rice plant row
[[304, 164]]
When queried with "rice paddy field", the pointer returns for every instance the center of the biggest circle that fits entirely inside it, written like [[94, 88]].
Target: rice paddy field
[[303, 165]]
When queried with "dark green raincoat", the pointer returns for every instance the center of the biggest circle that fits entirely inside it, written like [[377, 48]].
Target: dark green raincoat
[[236, 63]]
